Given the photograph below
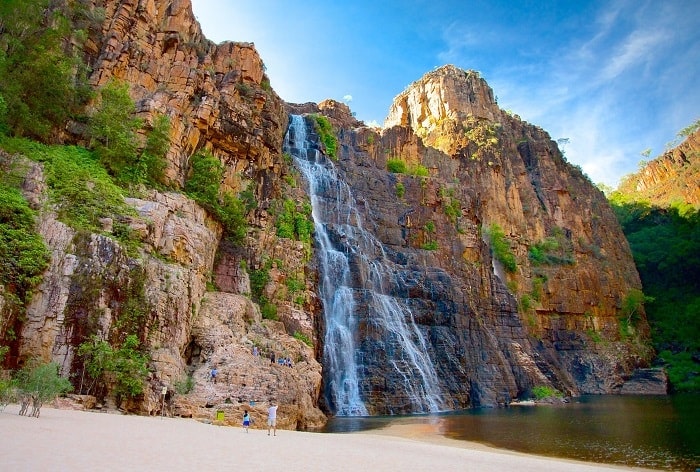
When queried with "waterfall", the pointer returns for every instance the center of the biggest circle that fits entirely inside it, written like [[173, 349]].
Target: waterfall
[[344, 250]]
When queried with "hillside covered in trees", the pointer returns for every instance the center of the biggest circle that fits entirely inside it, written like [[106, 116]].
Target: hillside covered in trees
[[661, 221]]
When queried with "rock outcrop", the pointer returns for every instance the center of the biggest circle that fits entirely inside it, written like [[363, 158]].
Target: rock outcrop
[[673, 176], [493, 333]]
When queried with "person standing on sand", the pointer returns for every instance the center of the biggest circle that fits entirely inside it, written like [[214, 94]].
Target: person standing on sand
[[246, 420], [272, 418]]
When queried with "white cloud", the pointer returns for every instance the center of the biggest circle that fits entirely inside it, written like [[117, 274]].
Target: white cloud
[[347, 98]]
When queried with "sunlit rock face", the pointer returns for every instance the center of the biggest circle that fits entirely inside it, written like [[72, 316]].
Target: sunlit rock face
[[491, 333]]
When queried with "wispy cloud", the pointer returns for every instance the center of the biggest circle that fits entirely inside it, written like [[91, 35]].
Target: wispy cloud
[[587, 88]]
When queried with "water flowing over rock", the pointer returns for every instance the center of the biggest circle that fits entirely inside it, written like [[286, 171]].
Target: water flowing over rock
[[419, 314]]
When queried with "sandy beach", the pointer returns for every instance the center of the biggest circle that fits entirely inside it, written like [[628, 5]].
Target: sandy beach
[[68, 440]]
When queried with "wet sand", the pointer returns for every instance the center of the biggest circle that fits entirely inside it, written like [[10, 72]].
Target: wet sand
[[68, 440]]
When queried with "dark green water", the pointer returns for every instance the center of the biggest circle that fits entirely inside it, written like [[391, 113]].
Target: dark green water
[[641, 431]]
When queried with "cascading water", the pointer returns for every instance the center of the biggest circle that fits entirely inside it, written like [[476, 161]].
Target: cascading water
[[345, 250]]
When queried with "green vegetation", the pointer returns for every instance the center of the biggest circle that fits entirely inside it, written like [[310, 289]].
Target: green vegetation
[[113, 131], [484, 135], [203, 186], [665, 243], [42, 80], [500, 247], [184, 385], [303, 338], [295, 223], [396, 166], [259, 278], [451, 205], [125, 367], [399, 166], [327, 135], [541, 392], [38, 384], [553, 250], [23, 254], [400, 190]]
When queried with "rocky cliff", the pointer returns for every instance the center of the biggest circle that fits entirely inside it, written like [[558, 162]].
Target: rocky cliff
[[551, 316], [673, 176], [190, 287], [492, 330]]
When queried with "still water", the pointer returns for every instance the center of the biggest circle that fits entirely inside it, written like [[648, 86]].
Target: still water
[[655, 432]]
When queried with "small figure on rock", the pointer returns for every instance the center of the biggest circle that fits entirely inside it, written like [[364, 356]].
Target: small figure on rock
[[212, 374]]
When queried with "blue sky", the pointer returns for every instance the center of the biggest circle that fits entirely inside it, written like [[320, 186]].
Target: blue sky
[[613, 77]]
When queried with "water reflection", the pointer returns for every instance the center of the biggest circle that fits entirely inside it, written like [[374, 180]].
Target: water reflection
[[653, 432]]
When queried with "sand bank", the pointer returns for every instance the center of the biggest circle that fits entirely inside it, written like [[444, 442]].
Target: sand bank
[[66, 440]]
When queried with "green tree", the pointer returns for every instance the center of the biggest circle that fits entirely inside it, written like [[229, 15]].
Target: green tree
[[124, 369], [327, 135], [112, 128], [96, 354], [153, 155], [40, 384], [42, 82], [129, 367]]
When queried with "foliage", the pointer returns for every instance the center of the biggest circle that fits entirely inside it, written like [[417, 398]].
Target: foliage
[[399, 166], [23, 253], [129, 367], [295, 223], [184, 385], [541, 392], [79, 186], [483, 134], [400, 190], [268, 309], [113, 128], [682, 370], [125, 367], [327, 135], [303, 338], [396, 166], [553, 250], [665, 243], [430, 245], [259, 278], [41, 81], [203, 186], [453, 209], [501, 248], [690, 129], [41, 383], [96, 354], [153, 156]]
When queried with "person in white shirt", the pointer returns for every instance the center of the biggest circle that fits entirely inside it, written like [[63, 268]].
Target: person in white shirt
[[272, 418]]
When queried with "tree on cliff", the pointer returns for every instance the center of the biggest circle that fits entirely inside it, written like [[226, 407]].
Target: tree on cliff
[[42, 85]]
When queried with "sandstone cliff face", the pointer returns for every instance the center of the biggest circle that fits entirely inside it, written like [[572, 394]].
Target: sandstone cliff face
[[193, 287], [493, 334], [672, 176]]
